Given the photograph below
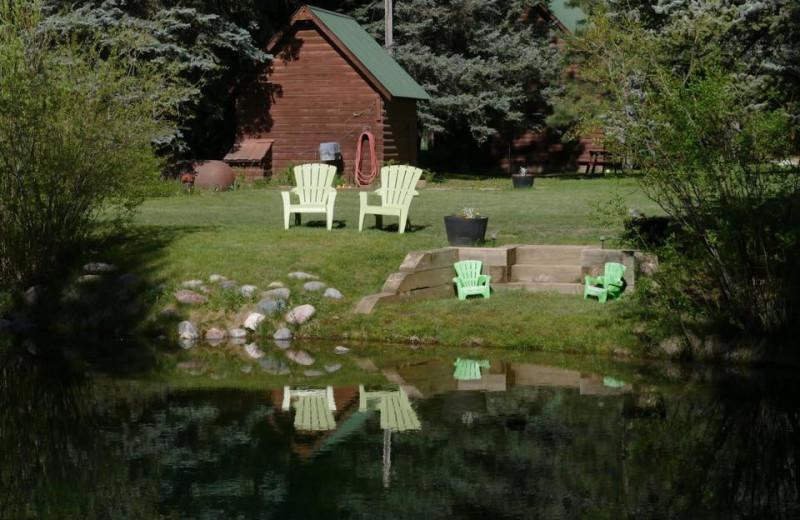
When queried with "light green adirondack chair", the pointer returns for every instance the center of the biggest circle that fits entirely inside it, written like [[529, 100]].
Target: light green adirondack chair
[[313, 408], [610, 284], [470, 280], [314, 188], [398, 187], [469, 369]]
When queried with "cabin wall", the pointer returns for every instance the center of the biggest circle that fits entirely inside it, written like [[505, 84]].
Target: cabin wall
[[544, 151], [311, 94], [400, 131]]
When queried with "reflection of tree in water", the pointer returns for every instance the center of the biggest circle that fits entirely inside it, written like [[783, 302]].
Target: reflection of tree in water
[[529, 452], [53, 463], [733, 455]]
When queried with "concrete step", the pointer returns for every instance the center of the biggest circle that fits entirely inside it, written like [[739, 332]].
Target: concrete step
[[549, 255], [563, 288], [546, 273]]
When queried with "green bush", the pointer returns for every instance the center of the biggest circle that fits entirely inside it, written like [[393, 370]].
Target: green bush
[[714, 163], [76, 123]]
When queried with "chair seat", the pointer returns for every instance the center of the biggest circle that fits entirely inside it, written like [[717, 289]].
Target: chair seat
[[308, 208]]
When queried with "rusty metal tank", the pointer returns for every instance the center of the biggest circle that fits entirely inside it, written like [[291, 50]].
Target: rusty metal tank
[[213, 174]]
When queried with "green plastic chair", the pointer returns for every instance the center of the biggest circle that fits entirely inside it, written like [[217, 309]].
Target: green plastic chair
[[608, 285], [398, 187], [470, 280], [314, 190], [469, 369]]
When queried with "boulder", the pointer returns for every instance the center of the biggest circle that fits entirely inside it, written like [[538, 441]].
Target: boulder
[[246, 369], [191, 284], [186, 343], [215, 342], [341, 350], [188, 297], [253, 351], [271, 307], [300, 275], [282, 344], [281, 293], [170, 311], [228, 284], [254, 320], [188, 330], [333, 293], [300, 357], [216, 278], [282, 334], [275, 284], [99, 268], [237, 333], [314, 286], [248, 290], [236, 342], [89, 278], [671, 346], [215, 334], [301, 314], [274, 366], [313, 373], [333, 367]]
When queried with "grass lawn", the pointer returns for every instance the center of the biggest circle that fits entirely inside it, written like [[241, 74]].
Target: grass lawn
[[240, 234]]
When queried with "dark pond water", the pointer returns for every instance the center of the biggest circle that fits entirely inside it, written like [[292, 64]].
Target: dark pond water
[[422, 438]]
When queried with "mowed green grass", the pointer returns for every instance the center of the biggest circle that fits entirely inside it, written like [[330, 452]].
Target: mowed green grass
[[240, 234]]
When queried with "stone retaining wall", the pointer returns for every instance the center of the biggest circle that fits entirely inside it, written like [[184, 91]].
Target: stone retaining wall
[[427, 275]]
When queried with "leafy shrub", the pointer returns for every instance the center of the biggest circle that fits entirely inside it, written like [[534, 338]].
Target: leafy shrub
[[76, 124]]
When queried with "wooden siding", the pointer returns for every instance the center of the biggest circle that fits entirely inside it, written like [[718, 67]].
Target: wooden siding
[[310, 95], [400, 131], [544, 151]]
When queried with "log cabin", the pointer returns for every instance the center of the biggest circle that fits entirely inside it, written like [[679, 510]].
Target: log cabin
[[543, 149], [329, 82]]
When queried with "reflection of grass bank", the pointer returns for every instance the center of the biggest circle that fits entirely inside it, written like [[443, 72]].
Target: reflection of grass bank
[[374, 364], [240, 235]]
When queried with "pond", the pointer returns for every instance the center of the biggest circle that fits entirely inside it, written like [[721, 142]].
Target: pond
[[412, 434]]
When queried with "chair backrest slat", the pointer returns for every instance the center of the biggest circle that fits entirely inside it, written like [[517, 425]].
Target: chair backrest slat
[[312, 181], [613, 273], [399, 183], [468, 271]]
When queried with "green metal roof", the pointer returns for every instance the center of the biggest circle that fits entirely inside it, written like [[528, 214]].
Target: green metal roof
[[570, 17], [369, 52]]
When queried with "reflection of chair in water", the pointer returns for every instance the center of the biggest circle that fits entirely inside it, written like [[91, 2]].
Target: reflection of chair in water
[[396, 415], [313, 408], [394, 407], [469, 369]]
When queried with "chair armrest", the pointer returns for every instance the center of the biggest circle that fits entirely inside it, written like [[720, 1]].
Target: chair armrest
[[365, 194], [483, 279], [457, 281], [593, 279], [285, 197]]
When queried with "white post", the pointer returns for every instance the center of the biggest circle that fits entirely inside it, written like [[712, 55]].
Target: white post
[[388, 29]]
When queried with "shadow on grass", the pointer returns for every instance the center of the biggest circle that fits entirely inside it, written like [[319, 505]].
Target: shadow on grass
[[105, 323], [337, 224]]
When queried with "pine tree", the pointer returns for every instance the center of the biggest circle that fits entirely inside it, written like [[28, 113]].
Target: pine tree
[[486, 70]]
